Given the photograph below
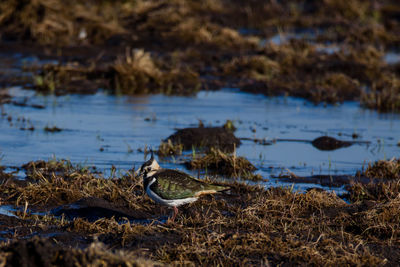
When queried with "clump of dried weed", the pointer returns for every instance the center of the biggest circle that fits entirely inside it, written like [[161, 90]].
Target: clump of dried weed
[[227, 164], [168, 148], [386, 169]]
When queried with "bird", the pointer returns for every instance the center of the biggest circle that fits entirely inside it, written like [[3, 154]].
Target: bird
[[173, 188]]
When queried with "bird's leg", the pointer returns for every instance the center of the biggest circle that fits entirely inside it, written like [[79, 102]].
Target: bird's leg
[[174, 215]]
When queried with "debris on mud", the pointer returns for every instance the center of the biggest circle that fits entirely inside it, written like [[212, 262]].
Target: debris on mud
[[205, 137], [329, 143]]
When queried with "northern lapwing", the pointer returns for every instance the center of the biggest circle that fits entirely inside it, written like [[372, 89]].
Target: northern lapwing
[[173, 188]]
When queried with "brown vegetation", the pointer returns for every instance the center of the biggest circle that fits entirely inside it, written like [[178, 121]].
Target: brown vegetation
[[225, 164], [248, 225], [213, 44], [387, 169], [41, 252], [384, 185], [168, 149], [138, 73]]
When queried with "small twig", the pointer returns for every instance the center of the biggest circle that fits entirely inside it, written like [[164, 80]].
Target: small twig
[[25, 209]]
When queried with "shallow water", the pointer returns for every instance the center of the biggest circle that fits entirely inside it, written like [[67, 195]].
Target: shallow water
[[7, 211], [392, 57], [118, 126]]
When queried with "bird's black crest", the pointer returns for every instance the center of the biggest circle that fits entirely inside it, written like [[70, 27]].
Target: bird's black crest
[[148, 162]]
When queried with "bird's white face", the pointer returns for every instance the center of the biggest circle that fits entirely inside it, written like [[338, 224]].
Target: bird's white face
[[149, 168]]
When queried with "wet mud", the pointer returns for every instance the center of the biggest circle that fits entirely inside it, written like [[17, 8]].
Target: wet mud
[[93, 209]]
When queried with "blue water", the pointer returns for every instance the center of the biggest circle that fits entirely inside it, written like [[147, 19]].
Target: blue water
[[118, 126]]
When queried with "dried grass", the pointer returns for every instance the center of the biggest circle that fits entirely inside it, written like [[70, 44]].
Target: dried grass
[[46, 253], [135, 72], [225, 164], [386, 169], [168, 148], [250, 225]]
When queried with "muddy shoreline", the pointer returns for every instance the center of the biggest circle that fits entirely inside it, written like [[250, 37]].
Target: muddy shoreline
[[66, 209]]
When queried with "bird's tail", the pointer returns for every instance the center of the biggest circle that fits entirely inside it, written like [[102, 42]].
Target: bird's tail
[[220, 188]]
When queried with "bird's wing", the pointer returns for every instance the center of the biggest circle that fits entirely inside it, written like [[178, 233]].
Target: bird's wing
[[173, 184]]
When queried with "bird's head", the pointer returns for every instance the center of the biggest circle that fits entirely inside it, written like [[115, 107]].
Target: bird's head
[[150, 167]]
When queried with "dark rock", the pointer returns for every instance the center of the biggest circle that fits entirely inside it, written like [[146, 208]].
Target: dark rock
[[329, 143], [205, 137]]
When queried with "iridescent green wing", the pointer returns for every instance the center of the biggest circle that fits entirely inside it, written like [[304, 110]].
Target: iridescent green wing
[[172, 184]]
